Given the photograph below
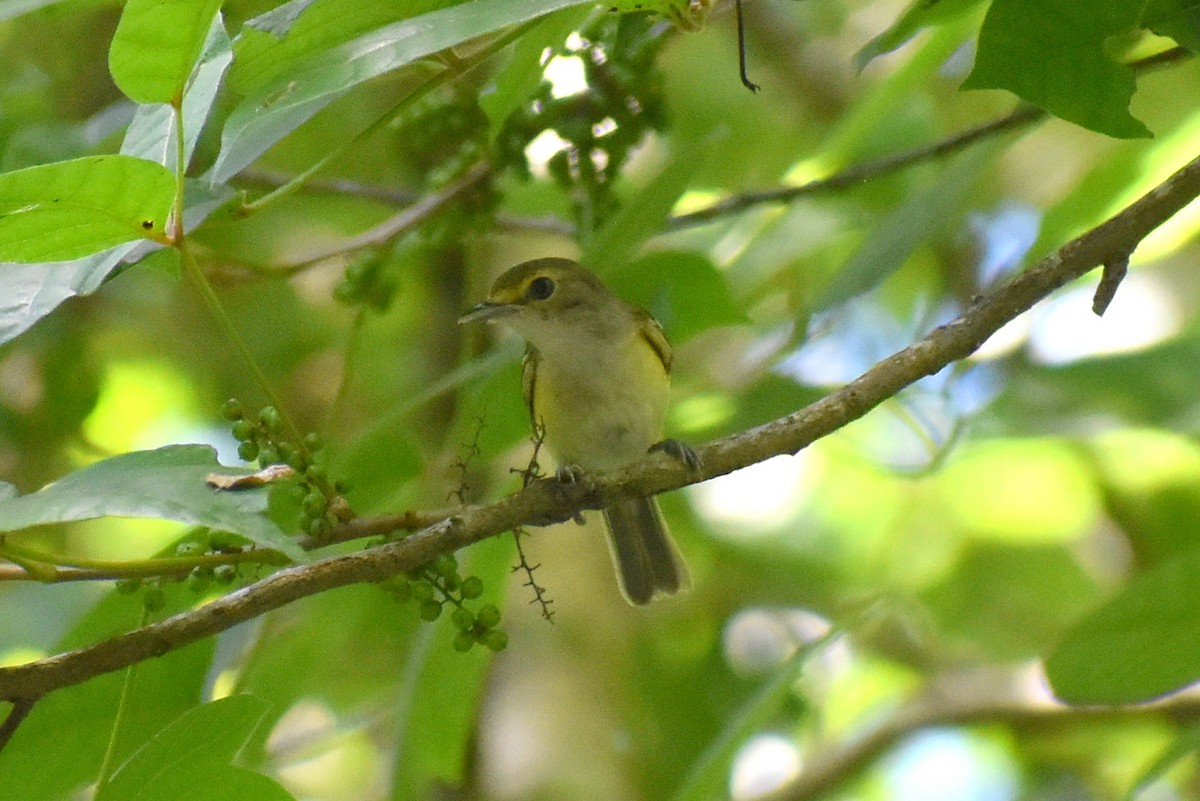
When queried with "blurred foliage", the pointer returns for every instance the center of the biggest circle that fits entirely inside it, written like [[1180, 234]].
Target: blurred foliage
[[1034, 505]]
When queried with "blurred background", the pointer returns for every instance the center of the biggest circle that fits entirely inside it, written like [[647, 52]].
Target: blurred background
[[867, 616]]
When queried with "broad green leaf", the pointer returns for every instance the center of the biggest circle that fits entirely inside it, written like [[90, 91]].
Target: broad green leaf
[[167, 484], [152, 134], [196, 747], [156, 45], [61, 211], [920, 14], [31, 291], [1052, 53], [28, 292], [272, 111], [683, 290], [1137, 646], [1178, 19], [442, 690], [271, 45], [58, 750]]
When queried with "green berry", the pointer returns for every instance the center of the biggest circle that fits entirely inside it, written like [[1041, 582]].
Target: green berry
[[269, 417], [199, 579], [403, 590], [129, 586], [488, 616], [154, 599], [313, 441], [315, 473], [232, 410], [430, 611], [445, 565], [248, 451], [422, 591], [462, 619], [242, 430], [225, 574], [472, 587], [314, 503], [463, 641], [318, 526], [268, 456], [494, 639]]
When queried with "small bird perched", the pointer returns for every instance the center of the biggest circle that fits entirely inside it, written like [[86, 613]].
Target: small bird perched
[[596, 380]]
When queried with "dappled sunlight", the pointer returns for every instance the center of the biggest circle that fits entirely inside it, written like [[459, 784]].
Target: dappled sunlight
[[1144, 313], [759, 499], [142, 405], [764, 764], [951, 765], [1020, 491]]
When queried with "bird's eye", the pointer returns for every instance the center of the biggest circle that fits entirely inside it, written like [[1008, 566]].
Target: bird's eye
[[540, 288]]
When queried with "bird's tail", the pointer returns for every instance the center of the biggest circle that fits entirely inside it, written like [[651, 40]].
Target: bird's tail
[[647, 561]]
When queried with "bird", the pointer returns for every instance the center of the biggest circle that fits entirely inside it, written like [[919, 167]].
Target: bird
[[596, 382]]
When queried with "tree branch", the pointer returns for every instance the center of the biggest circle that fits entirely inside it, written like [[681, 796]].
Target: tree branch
[[834, 764], [546, 500]]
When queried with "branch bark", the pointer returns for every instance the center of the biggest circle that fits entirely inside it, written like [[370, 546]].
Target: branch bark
[[547, 501]]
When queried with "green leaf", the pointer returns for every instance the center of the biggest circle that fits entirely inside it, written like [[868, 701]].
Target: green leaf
[[684, 291], [271, 46], [156, 44], [58, 750], [194, 750], [1178, 19], [1052, 53], [167, 484], [920, 14], [31, 291], [275, 109], [69, 209], [152, 135], [1139, 645]]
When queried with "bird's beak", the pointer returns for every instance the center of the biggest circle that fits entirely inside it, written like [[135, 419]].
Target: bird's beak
[[487, 310]]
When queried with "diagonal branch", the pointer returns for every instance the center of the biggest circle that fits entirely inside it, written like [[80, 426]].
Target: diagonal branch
[[546, 500]]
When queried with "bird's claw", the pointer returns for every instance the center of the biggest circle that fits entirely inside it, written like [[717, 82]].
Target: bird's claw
[[678, 450]]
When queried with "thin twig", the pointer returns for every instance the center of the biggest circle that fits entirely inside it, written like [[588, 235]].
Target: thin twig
[[549, 500], [21, 707], [398, 224], [860, 173]]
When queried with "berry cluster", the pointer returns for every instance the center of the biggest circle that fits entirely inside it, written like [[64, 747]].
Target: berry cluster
[[622, 104], [265, 440], [438, 585]]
